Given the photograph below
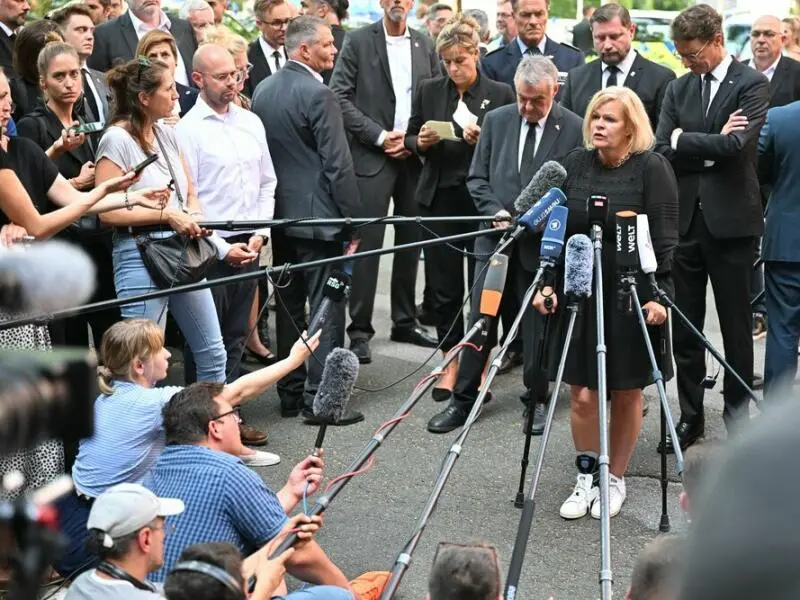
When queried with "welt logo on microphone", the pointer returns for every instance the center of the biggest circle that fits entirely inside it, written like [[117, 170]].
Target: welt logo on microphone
[[626, 235]]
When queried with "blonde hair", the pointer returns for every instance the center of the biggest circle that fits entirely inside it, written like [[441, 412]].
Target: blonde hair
[[219, 35], [156, 38], [637, 123], [122, 343], [460, 30]]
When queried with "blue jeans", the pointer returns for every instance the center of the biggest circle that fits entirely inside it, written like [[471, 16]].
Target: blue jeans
[[193, 311], [319, 592]]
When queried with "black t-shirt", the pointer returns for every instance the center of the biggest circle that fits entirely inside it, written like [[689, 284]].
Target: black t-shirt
[[36, 172]]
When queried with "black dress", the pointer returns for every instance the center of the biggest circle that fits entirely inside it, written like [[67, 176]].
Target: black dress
[[644, 184]]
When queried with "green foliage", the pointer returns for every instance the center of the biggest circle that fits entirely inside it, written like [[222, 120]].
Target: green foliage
[[566, 9], [39, 8]]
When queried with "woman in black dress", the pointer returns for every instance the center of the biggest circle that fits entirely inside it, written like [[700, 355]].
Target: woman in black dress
[[617, 162]]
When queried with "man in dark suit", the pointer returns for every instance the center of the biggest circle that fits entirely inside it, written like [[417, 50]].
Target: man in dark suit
[[530, 17], [375, 78], [267, 54], [12, 17], [779, 150], [501, 167], [619, 64], [582, 32], [118, 39], [333, 12], [708, 129], [315, 179]]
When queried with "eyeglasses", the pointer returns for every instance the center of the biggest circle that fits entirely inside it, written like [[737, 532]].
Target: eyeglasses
[[144, 64], [233, 411], [278, 23], [692, 58], [237, 76]]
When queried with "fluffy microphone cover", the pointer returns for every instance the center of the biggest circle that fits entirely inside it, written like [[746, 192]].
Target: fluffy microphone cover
[[578, 266], [45, 277], [336, 385], [550, 175]]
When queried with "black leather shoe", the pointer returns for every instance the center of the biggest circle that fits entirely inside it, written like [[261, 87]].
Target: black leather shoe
[[758, 382], [452, 417], [350, 417], [360, 347], [425, 316], [290, 407], [688, 434], [441, 394], [510, 360], [413, 335]]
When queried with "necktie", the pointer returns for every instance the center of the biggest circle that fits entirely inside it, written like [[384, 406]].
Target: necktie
[[528, 154], [707, 79], [277, 56], [88, 97], [612, 75], [534, 51]]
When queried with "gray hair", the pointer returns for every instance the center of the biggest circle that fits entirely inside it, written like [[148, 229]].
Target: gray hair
[[483, 22], [533, 70], [191, 6], [302, 30]]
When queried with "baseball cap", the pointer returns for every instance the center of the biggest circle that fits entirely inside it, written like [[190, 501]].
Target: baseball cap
[[127, 507]]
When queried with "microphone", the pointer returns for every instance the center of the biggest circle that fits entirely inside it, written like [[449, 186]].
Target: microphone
[[627, 258], [553, 239], [597, 209], [550, 175], [335, 387], [333, 293], [45, 277], [578, 268], [493, 285], [647, 256]]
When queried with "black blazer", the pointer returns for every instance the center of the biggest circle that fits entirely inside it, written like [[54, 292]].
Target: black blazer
[[784, 87], [26, 95], [6, 52], [433, 102], [728, 189], [363, 83], [338, 41], [261, 67], [648, 79], [501, 64], [117, 40], [187, 96], [582, 36], [308, 146]]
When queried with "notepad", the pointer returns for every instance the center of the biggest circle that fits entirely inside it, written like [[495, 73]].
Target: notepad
[[444, 129]]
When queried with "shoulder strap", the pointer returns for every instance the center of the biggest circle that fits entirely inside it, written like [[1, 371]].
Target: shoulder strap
[[169, 166]]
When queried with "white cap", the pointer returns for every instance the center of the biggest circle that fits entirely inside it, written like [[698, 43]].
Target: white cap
[[127, 507]]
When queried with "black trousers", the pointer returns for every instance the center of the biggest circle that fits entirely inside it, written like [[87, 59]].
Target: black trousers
[[292, 292], [444, 264], [728, 263], [233, 302], [396, 181]]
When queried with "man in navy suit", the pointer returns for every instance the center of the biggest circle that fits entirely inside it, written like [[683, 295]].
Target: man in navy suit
[[778, 150]]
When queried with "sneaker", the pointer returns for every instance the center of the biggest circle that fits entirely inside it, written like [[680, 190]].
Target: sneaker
[[759, 326], [616, 497], [584, 494], [259, 458]]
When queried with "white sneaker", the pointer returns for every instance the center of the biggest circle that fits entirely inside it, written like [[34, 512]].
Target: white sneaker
[[577, 505], [259, 458], [616, 497]]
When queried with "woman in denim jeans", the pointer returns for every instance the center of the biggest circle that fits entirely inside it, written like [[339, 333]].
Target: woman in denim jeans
[[144, 92]]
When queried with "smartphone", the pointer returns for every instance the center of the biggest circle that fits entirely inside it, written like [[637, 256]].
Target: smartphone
[[89, 128], [145, 163]]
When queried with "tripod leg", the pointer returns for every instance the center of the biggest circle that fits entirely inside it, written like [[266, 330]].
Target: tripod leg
[[664, 525]]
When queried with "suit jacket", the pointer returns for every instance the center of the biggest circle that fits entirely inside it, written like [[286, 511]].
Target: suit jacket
[[363, 83], [308, 145], [582, 36], [779, 152], [432, 102], [6, 52], [494, 180], [648, 79], [261, 67], [338, 41], [99, 81], [501, 64], [117, 40], [187, 96], [784, 87], [728, 189]]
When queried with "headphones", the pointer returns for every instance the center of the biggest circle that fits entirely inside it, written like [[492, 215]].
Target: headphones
[[114, 571], [213, 571]]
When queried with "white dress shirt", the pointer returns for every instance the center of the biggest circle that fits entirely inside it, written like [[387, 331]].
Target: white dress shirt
[[770, 70], [8, 31], [269, 54], [316, 75], [101, 117], [230, 166], [523, 134], [141, 28], [398, 49], [524, 49], [624, 69]]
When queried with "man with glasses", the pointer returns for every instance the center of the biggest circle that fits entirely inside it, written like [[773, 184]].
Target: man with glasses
[[225, 147], [708, 129], [128, 528], [438, 15], [506, 28], [267, 53]]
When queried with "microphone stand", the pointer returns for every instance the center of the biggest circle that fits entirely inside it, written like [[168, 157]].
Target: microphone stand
[[383, 432], [404, 558], [664, 525], [529, 507], [606, 577]]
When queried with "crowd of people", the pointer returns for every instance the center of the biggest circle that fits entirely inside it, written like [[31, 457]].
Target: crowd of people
[[311, 121]]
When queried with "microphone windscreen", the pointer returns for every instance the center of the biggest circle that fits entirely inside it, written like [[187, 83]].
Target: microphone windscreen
[[493, 285], [45, 277], [550, 175], [647, 256], [553, 238], [578, 266], [627, 253], [336, 385]]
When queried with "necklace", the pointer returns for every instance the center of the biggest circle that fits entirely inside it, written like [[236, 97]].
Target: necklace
[[618, 163]]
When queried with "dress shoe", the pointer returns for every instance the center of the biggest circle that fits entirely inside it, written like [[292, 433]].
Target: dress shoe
[[452, 417], [688, 434], [251, 436], [350, 417], [510, 360], [413, 335], [441, 394], [360, 347], [425, 315]]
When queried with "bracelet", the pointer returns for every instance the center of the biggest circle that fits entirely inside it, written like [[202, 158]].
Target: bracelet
[[126, 202]]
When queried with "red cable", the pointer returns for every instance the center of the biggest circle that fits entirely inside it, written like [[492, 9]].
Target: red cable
[[361, 471]]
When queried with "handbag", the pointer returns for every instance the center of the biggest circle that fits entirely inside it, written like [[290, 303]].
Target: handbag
[[175, 260]]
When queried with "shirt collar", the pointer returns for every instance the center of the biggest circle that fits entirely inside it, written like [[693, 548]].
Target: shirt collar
[[406, 35], [8, 31], [770, 69], [541, 122], [202, 110], [269, 50], [316, 75], [721, 70], [625, 64], [541, 45], [473, 89], [164, 24]]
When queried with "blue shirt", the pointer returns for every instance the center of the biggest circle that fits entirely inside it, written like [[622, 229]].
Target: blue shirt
[[225, 502], [128, 438]]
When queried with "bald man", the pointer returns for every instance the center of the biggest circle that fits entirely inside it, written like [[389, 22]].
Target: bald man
[[230, 145]]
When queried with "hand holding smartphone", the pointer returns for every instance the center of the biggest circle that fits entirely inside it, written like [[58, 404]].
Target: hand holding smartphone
[[145, 163]]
